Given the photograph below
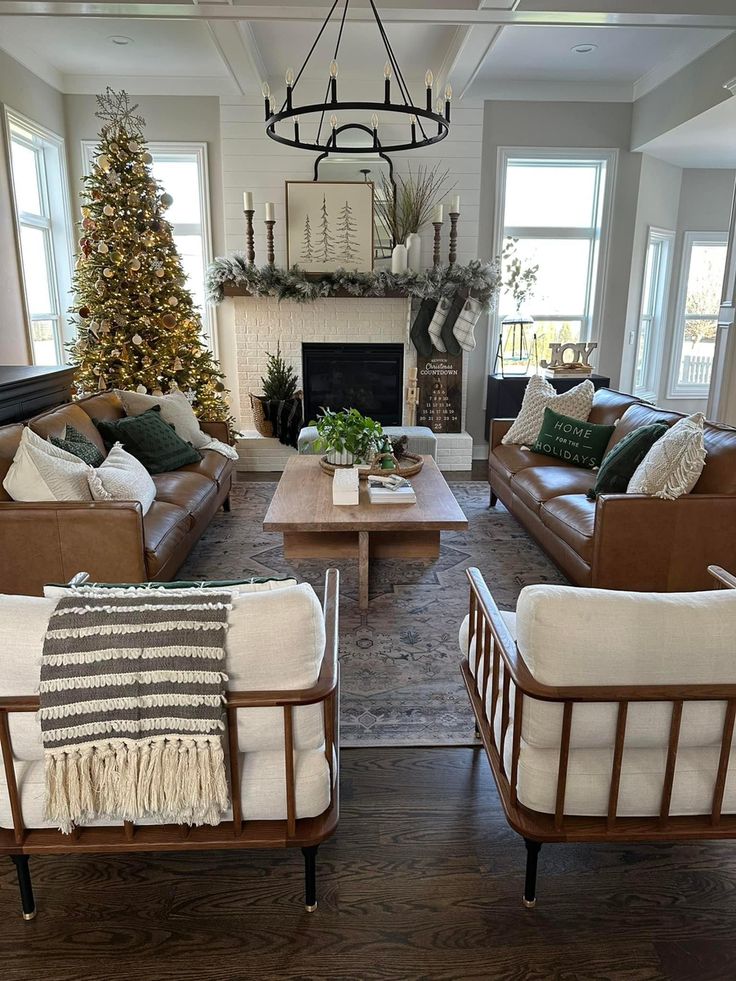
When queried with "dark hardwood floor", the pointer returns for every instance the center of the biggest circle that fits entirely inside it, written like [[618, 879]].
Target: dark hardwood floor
[[422, 881]]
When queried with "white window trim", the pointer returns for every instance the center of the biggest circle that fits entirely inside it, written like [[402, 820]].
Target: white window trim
[[59, 226], [674, 389], [659, 317], [209, 318], [607, 154]]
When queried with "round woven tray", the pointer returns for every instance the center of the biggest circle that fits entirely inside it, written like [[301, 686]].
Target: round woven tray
[[409, 465]]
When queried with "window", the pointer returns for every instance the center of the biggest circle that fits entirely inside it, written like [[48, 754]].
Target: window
[[696, 321], [653, 313], [182, 170], [42, 216], [556, 205]]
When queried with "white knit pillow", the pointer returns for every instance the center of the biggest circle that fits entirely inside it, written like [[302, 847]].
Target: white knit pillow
[[673, 465], [41, 471], [122, 478], [540, 395]]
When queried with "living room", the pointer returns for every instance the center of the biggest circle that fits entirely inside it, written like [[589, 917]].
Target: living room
[[381, 359]]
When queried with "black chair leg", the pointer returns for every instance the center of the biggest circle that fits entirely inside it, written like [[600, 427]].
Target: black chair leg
[[226, 505], [493, 500], [310, 877], [24, 883], [530, 883]]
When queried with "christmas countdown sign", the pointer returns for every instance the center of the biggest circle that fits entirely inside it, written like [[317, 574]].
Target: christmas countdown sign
[[440, 392], [329, 225]]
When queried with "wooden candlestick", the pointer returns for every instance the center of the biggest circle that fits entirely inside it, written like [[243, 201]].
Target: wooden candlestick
[[250, 242], [270, 257], [437, 230], [454, 215]]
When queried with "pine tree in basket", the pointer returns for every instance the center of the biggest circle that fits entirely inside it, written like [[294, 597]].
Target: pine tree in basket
[[280, 381], [137, 326]]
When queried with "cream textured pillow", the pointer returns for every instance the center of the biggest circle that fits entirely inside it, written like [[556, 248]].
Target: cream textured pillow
[[176, 410], [41, 471], [122, 478], [673, 465], [540, 395]]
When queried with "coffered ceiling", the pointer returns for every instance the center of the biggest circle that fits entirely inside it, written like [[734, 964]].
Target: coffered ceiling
[[493, 48]]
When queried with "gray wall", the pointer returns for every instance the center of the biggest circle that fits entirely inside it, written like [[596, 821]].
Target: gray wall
[[23, 91], [582, 125]]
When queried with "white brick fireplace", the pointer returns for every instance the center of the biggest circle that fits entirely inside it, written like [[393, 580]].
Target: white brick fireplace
[[259, 324]]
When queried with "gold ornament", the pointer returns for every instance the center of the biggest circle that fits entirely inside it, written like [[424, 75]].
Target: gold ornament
[[147, 158], [168, 320], [108, 210], [118, 224], [108, 273], [103, 248], [141, 389], [137, 339], [132, 197], [157, 392], [135, 263], [103, 162], [133, 146], [159, 272], [145, 301], [173, 301], [166, 200]]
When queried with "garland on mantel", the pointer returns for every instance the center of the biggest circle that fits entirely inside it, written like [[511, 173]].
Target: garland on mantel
[[482, 279]]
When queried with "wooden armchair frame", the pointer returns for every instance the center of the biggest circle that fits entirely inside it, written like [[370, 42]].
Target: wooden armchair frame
[[494, 645], [307, 833]]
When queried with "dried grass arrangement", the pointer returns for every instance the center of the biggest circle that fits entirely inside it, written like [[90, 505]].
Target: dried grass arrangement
[[410, 209]]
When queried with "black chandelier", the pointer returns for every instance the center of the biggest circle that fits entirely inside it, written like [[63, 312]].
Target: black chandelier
[[424, 126]]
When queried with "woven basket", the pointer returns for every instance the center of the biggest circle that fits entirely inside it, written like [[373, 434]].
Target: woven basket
[[263, 426]]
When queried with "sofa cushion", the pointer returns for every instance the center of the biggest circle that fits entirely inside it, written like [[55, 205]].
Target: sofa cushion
[[54, 423], [538, 484], [150, 440], [640, 415], [9, 442], [189, 491], [77, 443], [719, 474], [609, 406], [102, 405], [571, 518], [673, 465], [164, 528], [213, 465], [581, 444], [508, 460], [538, 396]]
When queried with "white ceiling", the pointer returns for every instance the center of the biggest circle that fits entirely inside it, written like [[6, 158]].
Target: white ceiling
[[707, 140]]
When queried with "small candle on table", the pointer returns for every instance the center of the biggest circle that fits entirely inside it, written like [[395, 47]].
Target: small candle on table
[[269, 211], [438, 213], [455, 207], [247, 201]]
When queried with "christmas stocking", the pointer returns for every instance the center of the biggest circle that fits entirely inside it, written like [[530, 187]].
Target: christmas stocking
[[419, 329], [448, 338], [464, 329], [435, 328]]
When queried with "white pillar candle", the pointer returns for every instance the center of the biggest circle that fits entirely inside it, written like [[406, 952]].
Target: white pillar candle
[[270, 211], [438, 213], [399, 259], [455, 207], [247, 201]]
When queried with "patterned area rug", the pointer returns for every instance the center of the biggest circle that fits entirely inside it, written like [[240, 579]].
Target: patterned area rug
[[401, 683]]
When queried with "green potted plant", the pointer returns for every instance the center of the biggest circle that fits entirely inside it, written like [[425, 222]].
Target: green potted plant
[[348, 437]]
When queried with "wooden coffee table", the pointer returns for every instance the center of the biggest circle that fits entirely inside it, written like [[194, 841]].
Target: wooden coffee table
[[313, 527]]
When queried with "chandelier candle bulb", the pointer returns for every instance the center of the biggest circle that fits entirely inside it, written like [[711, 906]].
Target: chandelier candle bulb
[[266, 89], [413, 121], [387, 83], [333, 80], [296, 129]]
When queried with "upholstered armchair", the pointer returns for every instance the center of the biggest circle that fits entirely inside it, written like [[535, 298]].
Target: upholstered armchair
[[606, 715]]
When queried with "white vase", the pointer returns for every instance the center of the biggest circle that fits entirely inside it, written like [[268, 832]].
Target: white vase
[[341, 458], [399, 259], [414, 252]]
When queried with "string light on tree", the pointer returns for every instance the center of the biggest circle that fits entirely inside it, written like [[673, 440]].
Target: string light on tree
[[138, 328]]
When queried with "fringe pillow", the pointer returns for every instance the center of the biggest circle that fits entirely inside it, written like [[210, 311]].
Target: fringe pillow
[[674, 464]]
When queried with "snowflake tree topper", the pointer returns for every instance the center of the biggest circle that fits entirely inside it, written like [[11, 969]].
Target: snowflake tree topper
[[116, 112]]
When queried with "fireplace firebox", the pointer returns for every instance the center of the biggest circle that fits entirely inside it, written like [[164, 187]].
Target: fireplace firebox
[[367, 377]]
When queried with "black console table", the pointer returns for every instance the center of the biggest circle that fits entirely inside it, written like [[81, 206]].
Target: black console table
[[26, 390], [504, 394]]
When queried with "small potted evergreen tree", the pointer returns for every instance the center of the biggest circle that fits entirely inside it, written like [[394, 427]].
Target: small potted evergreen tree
[[278, 411]]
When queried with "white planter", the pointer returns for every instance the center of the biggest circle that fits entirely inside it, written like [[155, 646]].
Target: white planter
[[414, 252], [399, 259], [341, 458]]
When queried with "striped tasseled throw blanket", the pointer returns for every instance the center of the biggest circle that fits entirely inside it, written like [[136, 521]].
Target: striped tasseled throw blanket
[[132, 691]]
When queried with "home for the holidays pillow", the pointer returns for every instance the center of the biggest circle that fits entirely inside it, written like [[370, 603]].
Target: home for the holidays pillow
[[540, 395], [581, 444], [673, 465]]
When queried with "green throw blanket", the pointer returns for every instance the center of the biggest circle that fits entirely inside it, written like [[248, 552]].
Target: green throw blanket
[[132, 692]]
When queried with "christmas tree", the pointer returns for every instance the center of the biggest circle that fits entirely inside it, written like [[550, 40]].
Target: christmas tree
[[346, 229], [325, 238], [137, 327]]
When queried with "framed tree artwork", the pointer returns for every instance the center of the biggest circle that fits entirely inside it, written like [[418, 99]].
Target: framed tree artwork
[[329, 225]]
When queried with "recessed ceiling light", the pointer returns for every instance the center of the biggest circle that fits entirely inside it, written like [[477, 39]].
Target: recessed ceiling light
[[584, 49], [120, 39]]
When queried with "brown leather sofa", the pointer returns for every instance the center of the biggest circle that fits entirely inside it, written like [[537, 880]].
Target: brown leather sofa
[[622, 541], [111, 540]]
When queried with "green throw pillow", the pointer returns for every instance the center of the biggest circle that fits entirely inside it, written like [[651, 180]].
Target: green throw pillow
[[77, 443], [620, 463], [149, 439], [580, 443]]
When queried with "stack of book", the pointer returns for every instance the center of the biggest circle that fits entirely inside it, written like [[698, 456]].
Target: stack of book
[[390, 490], [568, 370]]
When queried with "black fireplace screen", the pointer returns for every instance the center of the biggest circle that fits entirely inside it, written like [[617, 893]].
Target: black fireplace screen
[[367, 377]]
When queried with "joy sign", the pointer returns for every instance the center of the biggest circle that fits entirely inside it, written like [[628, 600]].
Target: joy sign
[[581, 353]]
